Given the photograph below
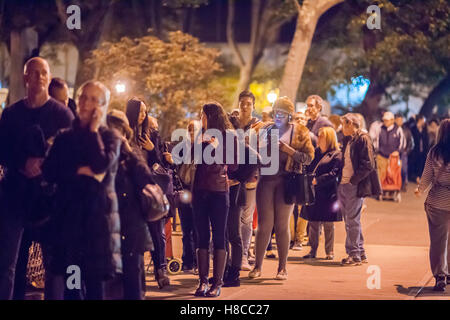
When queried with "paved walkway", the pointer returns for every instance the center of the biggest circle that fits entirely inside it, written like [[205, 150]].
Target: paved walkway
[[396, 244]]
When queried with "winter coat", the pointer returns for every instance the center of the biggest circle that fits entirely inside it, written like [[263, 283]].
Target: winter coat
[[363, 159], [326, 206], [132, 176], [86, 223], [301, 142]]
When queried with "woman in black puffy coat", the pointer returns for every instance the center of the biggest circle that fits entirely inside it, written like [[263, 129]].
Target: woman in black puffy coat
[[132, 176]]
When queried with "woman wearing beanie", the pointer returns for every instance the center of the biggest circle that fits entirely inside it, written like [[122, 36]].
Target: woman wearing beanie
[[211, 198], [295, 150], [133, 175]]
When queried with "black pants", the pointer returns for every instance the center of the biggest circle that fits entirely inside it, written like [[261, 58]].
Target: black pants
[[158, 235], [133, 268], [189, 235], [233, 231], [211, 211], [92, 288]]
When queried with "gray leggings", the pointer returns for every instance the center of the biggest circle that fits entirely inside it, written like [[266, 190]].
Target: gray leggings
[[272, 212]]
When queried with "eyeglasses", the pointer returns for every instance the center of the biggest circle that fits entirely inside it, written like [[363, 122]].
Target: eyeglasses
[[280, 115]]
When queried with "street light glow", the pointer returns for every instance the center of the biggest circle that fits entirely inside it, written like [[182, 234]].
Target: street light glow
[[272, 96], [120, 87]]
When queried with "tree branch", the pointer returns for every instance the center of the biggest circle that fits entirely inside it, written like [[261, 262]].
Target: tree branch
[[230, 34]]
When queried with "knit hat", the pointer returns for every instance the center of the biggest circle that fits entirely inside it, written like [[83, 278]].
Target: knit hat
[[283, 104], [119, 118]]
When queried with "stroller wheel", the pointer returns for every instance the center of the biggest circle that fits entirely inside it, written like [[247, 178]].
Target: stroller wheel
[[174, 266]]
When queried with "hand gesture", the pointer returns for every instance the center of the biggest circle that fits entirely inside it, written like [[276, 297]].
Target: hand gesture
[[96, 120], [168, 157], [286, 148], [32, 167], [146, 143]]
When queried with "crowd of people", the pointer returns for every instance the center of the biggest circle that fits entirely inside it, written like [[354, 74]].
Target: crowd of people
[[75, 174]]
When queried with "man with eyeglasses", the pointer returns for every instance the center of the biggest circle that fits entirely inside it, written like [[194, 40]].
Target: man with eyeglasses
[[359, 179], [26, 130]]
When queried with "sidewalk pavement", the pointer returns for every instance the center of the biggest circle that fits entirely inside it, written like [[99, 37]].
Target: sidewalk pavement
[[396, 237]]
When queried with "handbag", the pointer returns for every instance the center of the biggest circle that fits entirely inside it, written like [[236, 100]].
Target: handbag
[[154, 203], [298, 188], [187, 173]]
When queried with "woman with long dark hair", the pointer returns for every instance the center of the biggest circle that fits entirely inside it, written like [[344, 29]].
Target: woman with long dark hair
[[436, 179], [139, 122], [211, 200]]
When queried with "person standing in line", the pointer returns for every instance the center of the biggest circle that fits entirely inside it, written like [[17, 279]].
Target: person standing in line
[[409, 145], [149, 145], [436, 181], [211, 199], [314, 106], [247, 122], [85, 227], [418, 155], [359, 180], [133, 175], [295, 149], [327, 167], [59, 90], [27, 129]]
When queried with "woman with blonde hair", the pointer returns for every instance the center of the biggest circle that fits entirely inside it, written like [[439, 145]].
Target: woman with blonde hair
[[327, 167]]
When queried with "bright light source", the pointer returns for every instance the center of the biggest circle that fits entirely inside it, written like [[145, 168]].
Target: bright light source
[[120, 87], [272, 96]]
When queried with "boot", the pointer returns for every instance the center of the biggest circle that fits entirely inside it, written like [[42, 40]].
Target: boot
[[232, 279], [203, 271], [162, 278], [225, 275], [219, 262]]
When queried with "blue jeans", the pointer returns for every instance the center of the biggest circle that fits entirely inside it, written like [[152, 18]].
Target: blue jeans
[[11, 231], [351, 206]]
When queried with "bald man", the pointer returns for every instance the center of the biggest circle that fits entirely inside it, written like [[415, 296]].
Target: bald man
[[27, 128]]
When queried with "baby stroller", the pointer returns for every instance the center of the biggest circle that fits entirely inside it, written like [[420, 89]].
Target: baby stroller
[[392, 183]]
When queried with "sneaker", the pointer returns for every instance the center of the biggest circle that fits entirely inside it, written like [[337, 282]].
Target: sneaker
[[364, 259], [297, 246], [351, 261], [440, 284], [329, 257], [255, 273], [309, 256], [281, 275], [245, 265], [270, 255]]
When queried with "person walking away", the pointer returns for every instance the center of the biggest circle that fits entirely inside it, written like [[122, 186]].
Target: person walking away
[[436, 181], [419, 153]]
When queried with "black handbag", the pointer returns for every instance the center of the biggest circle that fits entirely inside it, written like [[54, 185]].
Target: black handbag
[[299, 189], [154, 203]]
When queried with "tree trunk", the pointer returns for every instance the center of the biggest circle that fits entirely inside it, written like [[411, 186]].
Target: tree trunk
[[435, 95], [16, 85], [309, 14], [371, 102]]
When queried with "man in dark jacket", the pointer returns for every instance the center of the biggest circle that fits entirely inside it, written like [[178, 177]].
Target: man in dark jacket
[[26, 130], [359, 179], [314, 106]]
